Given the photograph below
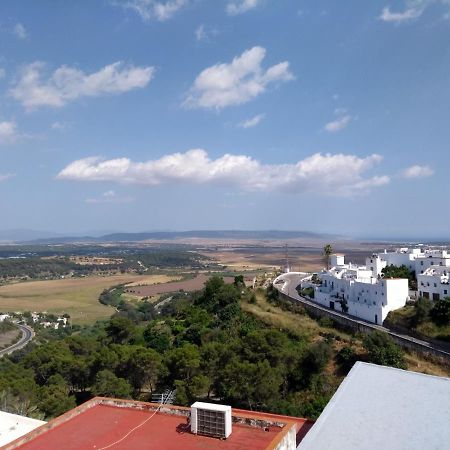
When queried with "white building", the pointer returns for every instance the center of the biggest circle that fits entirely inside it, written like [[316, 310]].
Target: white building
[[433, 283], [379, 407], [416, 259], [13, 426], [359, 291]]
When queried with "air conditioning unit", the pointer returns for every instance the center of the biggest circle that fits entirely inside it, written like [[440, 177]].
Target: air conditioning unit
[[211, 420]]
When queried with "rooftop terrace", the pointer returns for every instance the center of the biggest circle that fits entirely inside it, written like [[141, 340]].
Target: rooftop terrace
[[121, 424]]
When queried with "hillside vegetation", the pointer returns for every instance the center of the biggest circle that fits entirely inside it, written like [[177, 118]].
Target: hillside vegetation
[[222, 344]]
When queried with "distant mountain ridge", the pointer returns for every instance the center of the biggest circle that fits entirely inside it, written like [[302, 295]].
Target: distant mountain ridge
[[56, 238]]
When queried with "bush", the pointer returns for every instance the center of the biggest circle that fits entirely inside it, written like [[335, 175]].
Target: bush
[[440, 313], [383, 350]]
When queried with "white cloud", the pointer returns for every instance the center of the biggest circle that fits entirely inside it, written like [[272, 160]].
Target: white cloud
[[6, 176], [241, 6], [413, 9], [109, 197], [152, 9], [20, 31], [338, 124], [399, 17], [252, 122], [235, 83], [321, 173], [60, 126], [8, 132], [2, 73], [418, 171], [67, 83], [200, 33]]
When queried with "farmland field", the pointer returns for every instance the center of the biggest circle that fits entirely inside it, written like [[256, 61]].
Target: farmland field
[[77, 297]]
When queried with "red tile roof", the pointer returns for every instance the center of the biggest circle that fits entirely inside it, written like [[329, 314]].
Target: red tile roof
[[100, 422]]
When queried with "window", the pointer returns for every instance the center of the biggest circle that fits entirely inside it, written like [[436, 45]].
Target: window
[[435, 285], [421, 263], [445, 291]]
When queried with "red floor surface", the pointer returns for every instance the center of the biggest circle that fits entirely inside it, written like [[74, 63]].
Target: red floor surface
[[102, 425]]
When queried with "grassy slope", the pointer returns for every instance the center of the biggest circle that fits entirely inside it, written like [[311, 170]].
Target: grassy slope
[[401, 317], [303, 325]]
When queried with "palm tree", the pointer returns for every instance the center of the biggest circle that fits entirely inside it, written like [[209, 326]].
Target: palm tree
[[327, 252]]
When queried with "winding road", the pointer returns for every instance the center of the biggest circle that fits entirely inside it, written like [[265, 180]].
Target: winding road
[[27, 336]]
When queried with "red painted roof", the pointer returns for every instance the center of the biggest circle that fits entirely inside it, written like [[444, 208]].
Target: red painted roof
[[98, 426]]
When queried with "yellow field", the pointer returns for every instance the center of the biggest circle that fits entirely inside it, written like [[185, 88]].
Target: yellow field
[[154, 279], [77, 297]]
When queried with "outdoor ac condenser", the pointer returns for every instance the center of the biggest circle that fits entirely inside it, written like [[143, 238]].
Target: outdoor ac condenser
[[211, 420]]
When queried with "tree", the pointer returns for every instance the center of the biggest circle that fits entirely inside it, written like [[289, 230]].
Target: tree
[[140, 366], [120, 329], [422, 310], [55, 398], [440, 313], [383, 350], [327, 252], [108, 385], [392, 271]]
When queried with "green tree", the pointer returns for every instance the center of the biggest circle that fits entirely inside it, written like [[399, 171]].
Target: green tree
[[383, 350], [108, 385], [422, 310], [327, 252], [440, 313], [55, 398], [392, 271], [120, 329]]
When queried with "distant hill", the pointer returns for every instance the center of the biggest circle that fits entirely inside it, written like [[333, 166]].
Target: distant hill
[[172, 235], [21, 235]]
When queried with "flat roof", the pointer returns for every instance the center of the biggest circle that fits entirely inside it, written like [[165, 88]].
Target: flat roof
[[12, 426], [382, 407], [101, 422]]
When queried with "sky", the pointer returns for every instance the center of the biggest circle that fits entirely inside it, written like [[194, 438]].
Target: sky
[[142, 115]]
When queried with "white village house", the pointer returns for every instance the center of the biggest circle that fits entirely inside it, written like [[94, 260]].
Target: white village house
[[434, 283], [416, 259], [431, 266], [360, 290], [356, 290]]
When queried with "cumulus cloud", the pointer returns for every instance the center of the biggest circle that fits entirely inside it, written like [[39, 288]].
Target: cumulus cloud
[[252, 122], [66, 83], [20, 31], [237, 82], [239, 7], [5, 176], [8, 132], [152, 9], [413, 9], [418, 171], [109, 197], [339, 124], [327, 174]]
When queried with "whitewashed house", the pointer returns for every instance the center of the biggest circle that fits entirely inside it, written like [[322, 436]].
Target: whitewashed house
[[416, 259], [434, 283], [359, 290]]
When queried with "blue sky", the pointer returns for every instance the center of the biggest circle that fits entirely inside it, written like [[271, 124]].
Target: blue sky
[[247, 114]]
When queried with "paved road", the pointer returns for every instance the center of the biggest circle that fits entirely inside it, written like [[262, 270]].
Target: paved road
[[27, 336]]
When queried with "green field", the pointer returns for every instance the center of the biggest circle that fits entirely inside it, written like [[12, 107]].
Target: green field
[[77, 297]]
